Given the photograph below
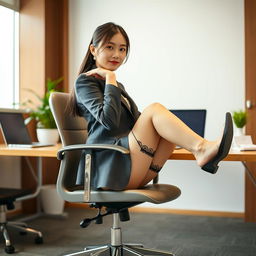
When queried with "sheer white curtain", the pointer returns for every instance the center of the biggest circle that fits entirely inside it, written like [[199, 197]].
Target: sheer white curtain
[[9, 52]]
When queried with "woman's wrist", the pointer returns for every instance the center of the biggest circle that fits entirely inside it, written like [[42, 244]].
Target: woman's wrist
[[111, 78]]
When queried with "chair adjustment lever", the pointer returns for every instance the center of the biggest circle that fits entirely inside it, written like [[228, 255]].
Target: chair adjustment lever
[[98, 219]]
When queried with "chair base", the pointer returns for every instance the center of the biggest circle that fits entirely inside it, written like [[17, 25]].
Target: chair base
[[117, 248], [123, 250], [23, 228]]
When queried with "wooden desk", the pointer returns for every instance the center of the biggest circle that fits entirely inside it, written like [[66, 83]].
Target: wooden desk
[[240, 156], [244, 157], [39, 153], [36, 152], [180, 154], [248, 160]]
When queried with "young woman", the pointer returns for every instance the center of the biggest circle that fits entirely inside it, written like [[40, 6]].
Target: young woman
[[113, 118]]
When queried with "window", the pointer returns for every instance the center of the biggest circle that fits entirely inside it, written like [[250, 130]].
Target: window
[[9, 57]]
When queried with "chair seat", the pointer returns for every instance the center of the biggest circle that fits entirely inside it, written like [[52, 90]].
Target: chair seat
[[11, 194], [154, 193]]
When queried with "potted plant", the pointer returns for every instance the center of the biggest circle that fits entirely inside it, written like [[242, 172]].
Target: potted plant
[[46, 127], [240, 118]]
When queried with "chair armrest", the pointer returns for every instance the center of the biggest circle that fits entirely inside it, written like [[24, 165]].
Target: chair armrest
[[91, 147], [87, 171]]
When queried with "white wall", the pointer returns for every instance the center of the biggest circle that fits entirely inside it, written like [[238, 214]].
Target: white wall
[[186, 54], [10, 171]]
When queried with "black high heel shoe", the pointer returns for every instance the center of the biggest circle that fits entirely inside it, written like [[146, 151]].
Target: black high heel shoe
[[225, 144]]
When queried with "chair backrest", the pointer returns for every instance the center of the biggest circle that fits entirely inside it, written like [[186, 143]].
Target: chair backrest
[[72, 130]]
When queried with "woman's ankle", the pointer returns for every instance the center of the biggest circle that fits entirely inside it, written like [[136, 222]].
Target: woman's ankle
[[199, 147], [205, 151]]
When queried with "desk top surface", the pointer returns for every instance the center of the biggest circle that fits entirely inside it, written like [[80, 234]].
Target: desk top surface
[[248, 156], [37, 152], [179, 154]]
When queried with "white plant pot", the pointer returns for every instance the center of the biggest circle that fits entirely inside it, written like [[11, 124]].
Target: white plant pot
[[50, 136], [239, 131], [52, 203]]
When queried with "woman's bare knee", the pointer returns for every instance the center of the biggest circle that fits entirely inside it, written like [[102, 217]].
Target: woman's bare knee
[[154, 107]]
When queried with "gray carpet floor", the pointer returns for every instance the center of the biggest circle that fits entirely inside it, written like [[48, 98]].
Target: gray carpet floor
[[180, 234]]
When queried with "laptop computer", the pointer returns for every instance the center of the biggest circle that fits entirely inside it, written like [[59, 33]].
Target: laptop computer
[[193, 118], [15, 132]]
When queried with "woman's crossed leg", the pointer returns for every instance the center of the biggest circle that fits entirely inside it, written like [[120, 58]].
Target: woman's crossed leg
[[154, 137]]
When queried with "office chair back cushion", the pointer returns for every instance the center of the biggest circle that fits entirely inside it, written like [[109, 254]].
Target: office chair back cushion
[[72, 130]]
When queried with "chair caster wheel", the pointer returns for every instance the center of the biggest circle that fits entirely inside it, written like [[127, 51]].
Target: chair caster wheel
[[9, 249], [39, 240]]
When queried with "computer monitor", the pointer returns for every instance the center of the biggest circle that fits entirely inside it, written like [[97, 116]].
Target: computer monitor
[[14, 130], [193, 118]]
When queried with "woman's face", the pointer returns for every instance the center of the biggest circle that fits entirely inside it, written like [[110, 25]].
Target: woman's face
[[111, 55]]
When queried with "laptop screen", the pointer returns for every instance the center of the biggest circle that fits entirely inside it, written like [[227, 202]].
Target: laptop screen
[[193, 118], [13, 128]]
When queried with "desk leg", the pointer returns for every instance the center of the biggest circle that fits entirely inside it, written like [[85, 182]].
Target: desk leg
[[39, 179], [249, 173], [250, 192], [39, 184]]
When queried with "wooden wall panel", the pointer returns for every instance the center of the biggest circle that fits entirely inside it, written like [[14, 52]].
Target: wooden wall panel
[[56, 41], [43, 55], [65, 43], [32, 55], [250, 77]]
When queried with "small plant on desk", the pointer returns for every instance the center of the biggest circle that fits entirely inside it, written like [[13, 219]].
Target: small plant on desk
[[46, 127], [240, 119]]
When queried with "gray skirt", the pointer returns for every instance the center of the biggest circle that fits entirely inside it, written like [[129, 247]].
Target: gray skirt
[[110, 169]]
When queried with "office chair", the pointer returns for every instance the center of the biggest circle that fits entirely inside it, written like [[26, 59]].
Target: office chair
[[73, 134], [7, 198]]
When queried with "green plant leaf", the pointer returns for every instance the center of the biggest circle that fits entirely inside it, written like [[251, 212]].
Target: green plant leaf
[[42, 113], [240, 118]]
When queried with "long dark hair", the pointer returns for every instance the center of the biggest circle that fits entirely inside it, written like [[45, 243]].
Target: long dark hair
[[101, 35]]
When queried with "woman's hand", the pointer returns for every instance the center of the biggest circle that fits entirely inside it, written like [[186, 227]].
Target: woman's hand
[[103, 74], [98, 73]]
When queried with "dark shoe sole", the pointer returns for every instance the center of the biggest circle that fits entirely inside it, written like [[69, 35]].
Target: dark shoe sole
[[225, 144]]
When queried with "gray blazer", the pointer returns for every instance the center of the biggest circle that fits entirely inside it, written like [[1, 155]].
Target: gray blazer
[[110, 120]]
